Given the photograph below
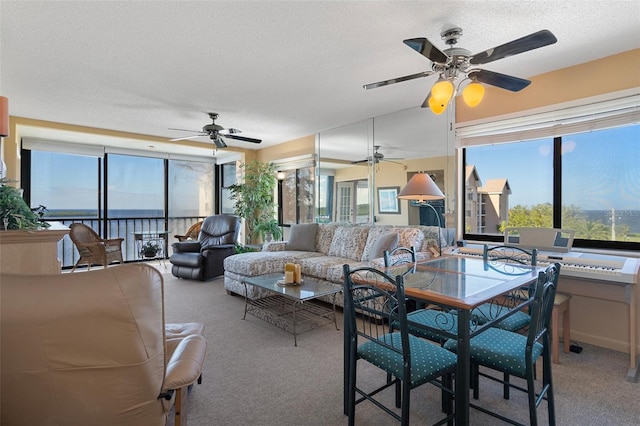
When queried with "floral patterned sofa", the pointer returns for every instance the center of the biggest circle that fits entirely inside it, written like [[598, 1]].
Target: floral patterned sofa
[[322, 249]]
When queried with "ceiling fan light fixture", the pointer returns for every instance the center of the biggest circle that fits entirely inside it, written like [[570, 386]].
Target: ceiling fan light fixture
[[473, 94], [436, 107], [442, 90]]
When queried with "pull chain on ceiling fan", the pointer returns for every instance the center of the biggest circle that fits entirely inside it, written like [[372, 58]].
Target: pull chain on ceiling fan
[[456, 62]]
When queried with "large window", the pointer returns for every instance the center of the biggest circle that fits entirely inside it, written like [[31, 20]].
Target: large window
[[115, 193], [588, 182], [297, 196]]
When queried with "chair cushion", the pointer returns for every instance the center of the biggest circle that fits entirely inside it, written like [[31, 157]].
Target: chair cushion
[[428, 361], [439, 320], [499, 349], [515, 322], [302, 237]]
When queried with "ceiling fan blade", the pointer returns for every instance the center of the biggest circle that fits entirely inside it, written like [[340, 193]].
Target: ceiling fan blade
[[186, 130], [503, 81], [187, 137], [532, 41], [397, 80], [366, 160], [427, 49], [243, 138]]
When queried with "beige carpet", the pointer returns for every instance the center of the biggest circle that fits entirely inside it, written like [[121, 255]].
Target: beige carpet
[[255, 376]]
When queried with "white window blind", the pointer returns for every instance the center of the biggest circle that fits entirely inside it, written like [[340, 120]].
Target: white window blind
[[63, 147], [590, 114]]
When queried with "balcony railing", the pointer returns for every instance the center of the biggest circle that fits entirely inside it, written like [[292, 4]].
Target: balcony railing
[[123, 228]]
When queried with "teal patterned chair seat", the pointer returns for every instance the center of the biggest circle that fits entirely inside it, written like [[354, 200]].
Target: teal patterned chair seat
[[427, 360], [501, 350], [484, 313]]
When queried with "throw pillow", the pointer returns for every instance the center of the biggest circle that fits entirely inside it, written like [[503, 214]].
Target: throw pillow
[[349, 241], [385, 242], [303, 237]]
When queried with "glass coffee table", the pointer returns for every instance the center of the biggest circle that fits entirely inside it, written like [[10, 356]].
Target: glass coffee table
[[291, 307]]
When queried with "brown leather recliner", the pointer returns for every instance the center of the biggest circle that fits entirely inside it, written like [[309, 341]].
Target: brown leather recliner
[[90, 349], [204, 259]]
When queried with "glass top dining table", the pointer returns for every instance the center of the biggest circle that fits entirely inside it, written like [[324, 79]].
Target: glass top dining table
[[463, 284]]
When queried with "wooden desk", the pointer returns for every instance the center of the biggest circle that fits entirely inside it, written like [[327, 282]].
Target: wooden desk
[[31, 251], [463, 284]]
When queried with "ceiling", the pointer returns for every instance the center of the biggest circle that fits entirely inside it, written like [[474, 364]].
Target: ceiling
[[277, 70]]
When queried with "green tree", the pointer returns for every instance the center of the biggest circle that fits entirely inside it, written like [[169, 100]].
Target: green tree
[[254, 198]]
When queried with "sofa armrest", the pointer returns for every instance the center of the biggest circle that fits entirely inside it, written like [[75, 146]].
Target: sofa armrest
[[185, 365], [275, 246], [186, 247]]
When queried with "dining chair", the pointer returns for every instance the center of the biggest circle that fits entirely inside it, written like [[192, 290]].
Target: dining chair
[[373, 299], [92, 249], [515, 354]]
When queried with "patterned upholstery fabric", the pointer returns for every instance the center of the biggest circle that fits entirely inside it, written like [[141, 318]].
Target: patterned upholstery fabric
[[336, 244], [427, 360], [515, 322], [500, 349], [349, 241]]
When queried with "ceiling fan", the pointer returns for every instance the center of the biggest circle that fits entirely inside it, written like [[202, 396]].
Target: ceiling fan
[[376, 157], [455, 62], [215, 133]]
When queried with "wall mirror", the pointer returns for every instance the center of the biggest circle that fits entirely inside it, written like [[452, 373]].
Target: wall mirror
[[355, 160]]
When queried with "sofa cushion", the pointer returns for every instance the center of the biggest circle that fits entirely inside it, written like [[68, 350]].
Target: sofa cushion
[[385, 242], [325, 236], [409, 237], [303, 237], [349, 242], [433, 234], [260, 262]]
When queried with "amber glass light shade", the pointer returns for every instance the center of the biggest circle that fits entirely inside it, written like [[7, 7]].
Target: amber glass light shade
[[473, 94], [442, 91], [436, 107]]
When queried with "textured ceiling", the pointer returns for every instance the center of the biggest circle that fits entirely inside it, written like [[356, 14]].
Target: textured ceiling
[[276, 70]]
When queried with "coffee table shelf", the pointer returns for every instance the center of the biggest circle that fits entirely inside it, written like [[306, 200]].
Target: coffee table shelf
[[291, 308]]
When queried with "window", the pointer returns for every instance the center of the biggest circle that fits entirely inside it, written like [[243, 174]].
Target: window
[[588, 182], [116, 194], [297, 196], [228, 176]]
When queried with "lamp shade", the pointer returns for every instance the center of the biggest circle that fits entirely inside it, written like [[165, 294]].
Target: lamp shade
[[442, 91], [436, 107], [4, 116], [473, 94], [421, 187]]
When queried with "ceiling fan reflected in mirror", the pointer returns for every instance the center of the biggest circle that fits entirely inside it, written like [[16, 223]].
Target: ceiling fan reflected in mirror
[[454, 63], [215, 133], [377, 157]]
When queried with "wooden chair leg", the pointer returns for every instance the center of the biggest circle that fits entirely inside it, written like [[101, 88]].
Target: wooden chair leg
[[180, 408], [566, 326], [555, 320]]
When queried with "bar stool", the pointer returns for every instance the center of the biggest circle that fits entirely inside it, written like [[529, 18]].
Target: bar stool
[[561, 306]]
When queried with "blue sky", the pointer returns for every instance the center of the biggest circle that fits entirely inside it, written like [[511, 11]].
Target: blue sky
[[601, 169]]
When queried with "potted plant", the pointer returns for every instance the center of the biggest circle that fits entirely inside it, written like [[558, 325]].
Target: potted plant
[[269, 230], [254, 198], [14, 211], [150, 249]]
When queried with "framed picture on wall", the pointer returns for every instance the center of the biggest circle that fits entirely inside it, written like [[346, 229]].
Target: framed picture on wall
[[388, 202]]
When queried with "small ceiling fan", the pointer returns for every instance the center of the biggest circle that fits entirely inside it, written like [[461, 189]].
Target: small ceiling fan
[[215, 133], [376, 157], [455, 62]]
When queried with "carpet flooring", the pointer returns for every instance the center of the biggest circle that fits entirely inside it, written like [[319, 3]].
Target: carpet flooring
[[254, 375]]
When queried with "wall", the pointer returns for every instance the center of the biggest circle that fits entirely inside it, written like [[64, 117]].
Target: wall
[[602, 76]]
